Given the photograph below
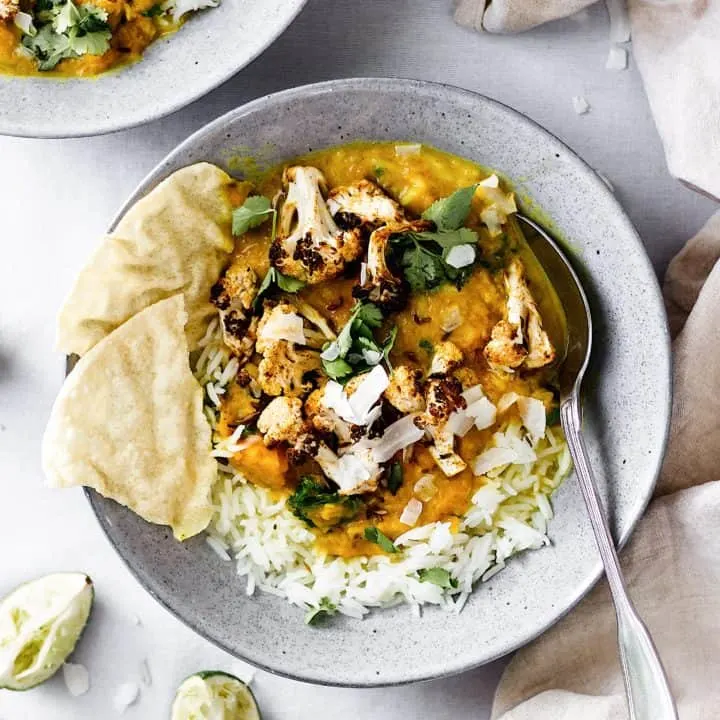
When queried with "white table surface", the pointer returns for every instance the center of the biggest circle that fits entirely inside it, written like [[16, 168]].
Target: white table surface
[[56, 197]]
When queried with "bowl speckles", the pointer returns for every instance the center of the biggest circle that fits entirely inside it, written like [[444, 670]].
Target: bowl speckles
[[207, 50], [627, 400]]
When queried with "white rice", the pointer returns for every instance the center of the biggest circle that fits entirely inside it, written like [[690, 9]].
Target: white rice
[[275, 552]]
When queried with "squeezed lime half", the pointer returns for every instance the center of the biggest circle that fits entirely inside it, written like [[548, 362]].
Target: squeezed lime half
[[40, 623], [214, 695]]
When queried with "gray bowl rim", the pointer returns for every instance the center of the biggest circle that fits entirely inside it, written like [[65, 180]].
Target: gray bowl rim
[[334, 86]]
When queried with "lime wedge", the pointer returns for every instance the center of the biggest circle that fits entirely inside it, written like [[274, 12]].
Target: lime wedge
[[40, 623], [214, 695]]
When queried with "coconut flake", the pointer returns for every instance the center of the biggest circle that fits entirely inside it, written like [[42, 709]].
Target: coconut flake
[[532, 414], [408, 149], [283, 326], [483, 413], [493, 458], [617, 58], [24, 21], [580, 105], [507, 401], [451, 319], [425, 488], [411, 512], [397, 436], [77, 678], [459, 423], [492, 181], [460, 256], [473, 393], [125, 696], [331, 352], [619, 21], [368, 392], [372, 357], [510, 440], [363, 273]]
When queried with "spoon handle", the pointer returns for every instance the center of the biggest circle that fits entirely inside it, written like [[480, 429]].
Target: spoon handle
[[646, 685]]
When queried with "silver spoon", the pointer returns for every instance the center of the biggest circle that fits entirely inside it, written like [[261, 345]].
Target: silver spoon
[[646, 685]]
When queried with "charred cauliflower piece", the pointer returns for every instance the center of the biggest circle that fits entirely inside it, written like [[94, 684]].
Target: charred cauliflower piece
[[381, 286], [404, 392], [446, 358], [282, 421], [325, 420], [310, 246], [8, 9], [443, 396], [519, 339], [233, 296], [363, 205], [287, 370]]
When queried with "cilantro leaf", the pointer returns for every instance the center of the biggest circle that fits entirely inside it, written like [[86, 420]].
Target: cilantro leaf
[[256, 210], [356, 350], [395, 477], [450, 213], [427, 346], [311, 494], [438, 576], [325, 609], [553, 416], [373, 535], [274, 278], [155, 11]]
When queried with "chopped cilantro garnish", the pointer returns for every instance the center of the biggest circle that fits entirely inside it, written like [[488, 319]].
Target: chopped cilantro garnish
[[325, 609], [356, 350], [373, 535], [274, 278], [423, 257], [395, 477], [438, 576], [312, 493], [379, 171], [427, 346], [155, 11], [66, 30], [450, 213], [256, 210]]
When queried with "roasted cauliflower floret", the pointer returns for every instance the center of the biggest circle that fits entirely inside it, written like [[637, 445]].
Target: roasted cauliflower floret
[[287, 370], [233, 296], [519, 339], [8, 9], [279, 322], [310, 246], [363, 205], [443, 396], [381, 286], [446, 358], [404, 392], [325, 420], [282, 421]]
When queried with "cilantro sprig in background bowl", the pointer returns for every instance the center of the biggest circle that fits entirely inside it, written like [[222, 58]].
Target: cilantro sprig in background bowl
[[175, 70]]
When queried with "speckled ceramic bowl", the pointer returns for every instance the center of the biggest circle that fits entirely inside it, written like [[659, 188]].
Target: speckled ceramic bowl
[[207, 50], [627, 400]]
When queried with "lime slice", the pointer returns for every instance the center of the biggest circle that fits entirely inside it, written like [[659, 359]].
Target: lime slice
[[40, 623], [214, 695]]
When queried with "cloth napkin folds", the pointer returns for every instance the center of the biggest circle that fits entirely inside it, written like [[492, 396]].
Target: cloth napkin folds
[[676, 44], [672, 562]]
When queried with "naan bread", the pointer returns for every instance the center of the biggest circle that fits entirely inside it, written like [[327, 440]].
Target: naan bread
[[129, 422], [176, 239]]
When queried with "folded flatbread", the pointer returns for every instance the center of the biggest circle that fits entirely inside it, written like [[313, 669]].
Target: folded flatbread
[[129, 422], [175, 239]]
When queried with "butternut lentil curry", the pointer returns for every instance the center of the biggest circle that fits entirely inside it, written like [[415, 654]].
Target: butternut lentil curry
[[389, 324], [76, 38]]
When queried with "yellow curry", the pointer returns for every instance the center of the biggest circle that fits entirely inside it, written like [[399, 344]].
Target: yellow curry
[[415, 311], [79, 38]]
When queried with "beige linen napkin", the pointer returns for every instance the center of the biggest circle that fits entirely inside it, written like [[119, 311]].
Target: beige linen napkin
[[677, 47], [671, 563]]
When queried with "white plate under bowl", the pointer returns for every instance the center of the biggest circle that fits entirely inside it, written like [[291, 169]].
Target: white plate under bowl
[[627, 399], [208, 49]]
